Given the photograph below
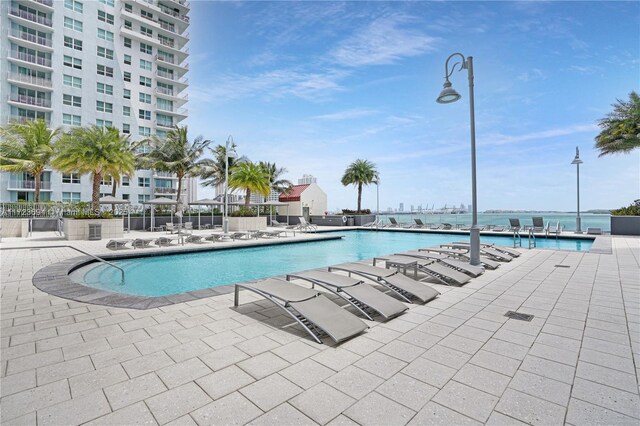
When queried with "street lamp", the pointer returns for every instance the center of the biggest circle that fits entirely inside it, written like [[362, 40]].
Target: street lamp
[[577, 161], [225, 226], [447, 96]]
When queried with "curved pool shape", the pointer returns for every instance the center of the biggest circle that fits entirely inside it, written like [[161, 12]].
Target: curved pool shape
[[171, 274]]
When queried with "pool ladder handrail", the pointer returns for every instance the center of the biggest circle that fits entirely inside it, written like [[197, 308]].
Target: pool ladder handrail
[[99, 259], [532, 238], [517, 238]]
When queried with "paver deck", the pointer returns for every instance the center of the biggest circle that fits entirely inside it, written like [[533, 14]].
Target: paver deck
[[455, 360]]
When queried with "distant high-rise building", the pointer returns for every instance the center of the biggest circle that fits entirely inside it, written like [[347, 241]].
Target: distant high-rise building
[[307, 179], [469, 208], [108, 63], [401, 208], [411, 208]]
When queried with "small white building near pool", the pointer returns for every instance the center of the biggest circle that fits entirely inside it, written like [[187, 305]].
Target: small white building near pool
[[308, 198]]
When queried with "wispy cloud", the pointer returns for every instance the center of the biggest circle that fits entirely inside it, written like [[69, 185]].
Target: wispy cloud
[[383, 41], [346, 114], [500, 139], [533, 74], [585, 69]]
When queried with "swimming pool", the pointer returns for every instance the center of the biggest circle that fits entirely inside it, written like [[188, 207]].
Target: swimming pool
[[165, 275]]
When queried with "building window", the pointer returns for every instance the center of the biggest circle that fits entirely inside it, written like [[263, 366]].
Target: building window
[[144, 98], [146, 31], [70, 197], [106, 180], [144, 182], [145, 81], [70, 178], [105, 35], [146, 48], [107, 2], [69, 80], [104, 70], [128, 25], [127, 42], [104, 106], [104, 123], [128, 7], [105, 17], [127, 59], [72, 43], [126, 128], [125, 197], [145, 65], [75, 101], [126, 111], [127, 76], [142, 198], [70, 61], [106, 89], [71, 120], [144, 131], [146, 14], [124, 181], [74, 5], [103, 52], [72, 24], [144, 114], [126, 94]]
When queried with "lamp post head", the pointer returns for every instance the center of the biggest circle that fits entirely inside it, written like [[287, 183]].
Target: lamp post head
[[576, 159], [448, 94]]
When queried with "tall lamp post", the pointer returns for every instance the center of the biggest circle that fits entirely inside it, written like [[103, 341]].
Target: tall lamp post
[[449, 95], [577, 161], [225, 226], [377, 201]]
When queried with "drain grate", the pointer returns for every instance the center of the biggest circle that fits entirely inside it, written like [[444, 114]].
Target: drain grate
[[562, 266], [518, 316]]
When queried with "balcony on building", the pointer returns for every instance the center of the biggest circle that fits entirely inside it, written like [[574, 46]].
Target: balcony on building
[[17, 184], [172, 62], [176, 95], [181, 112], [29, 81], [172, 78], [166, 124], [30, 40], [23, 15], [33, 60], [22, 119], [31, 101], [174, 13], [164, 175], [42, 4]]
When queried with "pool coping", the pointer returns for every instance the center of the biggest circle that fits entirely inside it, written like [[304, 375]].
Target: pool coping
[[54, 279]]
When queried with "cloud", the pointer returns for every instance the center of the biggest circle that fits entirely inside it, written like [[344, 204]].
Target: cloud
[[499, 139], [383, 41], [585, 69], [346, 114], [533, 74]]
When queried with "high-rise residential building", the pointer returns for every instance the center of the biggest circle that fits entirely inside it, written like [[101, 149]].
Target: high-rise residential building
[[401, 207], [307, 180], [103, 62]]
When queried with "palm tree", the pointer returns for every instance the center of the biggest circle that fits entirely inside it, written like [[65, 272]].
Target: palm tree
[[29, 148], [252, 178], [174, 154], [96, 150], [621, 128], [131, 147], [274, 172], [214, 172], [360, 172]]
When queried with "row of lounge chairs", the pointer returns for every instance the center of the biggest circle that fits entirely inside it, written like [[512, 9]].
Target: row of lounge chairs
[[165, 241], [303, 225], [319, 316]]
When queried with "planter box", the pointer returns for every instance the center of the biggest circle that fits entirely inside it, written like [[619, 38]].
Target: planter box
[[247, 223], [78, 229], [625, 225], [14, 227]]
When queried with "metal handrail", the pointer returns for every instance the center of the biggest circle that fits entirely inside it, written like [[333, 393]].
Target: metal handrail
[[516, 237], [531, 237], [99, 259]]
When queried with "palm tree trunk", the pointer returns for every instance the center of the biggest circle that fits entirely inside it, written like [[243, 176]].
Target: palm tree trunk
[[178, 196], [247, 199], [113, 194], [359, 196], [36, 195], [95, 195]]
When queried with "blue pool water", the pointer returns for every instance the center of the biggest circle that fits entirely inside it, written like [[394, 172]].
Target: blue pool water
[[164, 275]]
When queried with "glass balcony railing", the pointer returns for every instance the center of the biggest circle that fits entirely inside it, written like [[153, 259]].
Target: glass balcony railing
[[20, 119], [23, 35], [27, 184], [31, 16], [30, 79], [30, 58], [30, 100], [172, 93], [173, 13], [48, 3]]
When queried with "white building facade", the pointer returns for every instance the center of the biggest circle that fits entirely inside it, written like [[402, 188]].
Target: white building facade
[[103, 62]]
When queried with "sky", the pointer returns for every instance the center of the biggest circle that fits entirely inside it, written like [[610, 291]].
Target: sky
[[313, 86]]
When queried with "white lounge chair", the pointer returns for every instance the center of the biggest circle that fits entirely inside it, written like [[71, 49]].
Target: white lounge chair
[[551, 230], [141, 243], [487, 251], [442, 273], [471, 270], [117, 244]]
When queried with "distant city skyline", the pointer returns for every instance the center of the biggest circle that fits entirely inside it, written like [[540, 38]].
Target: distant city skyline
[[313, 86]]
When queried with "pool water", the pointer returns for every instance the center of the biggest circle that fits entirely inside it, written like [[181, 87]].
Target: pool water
[[164, 275]]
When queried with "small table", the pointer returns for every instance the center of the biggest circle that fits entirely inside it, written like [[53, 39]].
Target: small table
[[399, 262]]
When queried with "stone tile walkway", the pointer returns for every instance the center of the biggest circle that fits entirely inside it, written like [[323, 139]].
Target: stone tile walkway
[[456, 360]]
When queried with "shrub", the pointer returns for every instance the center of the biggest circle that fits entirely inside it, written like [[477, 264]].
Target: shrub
[[243, 212], [632, 210], [355, 212]]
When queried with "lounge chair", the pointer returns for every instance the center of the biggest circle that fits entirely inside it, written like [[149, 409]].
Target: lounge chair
[[471, 270], [117, 244], [511, 252], [141, 243], [214, 237], [514, 224], [360, 295], [594, 231], [277, 224], [419, 223], [432, 268], [499, 228], [462, 254], [306, 226], [393, 223], [557, 230], [370, 224], [487, 251], [194, 239], [242, 235], [538, 224], [187, 226], [164, 241], [270, 234], [405, 287], [170, 228], [309, 308]]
